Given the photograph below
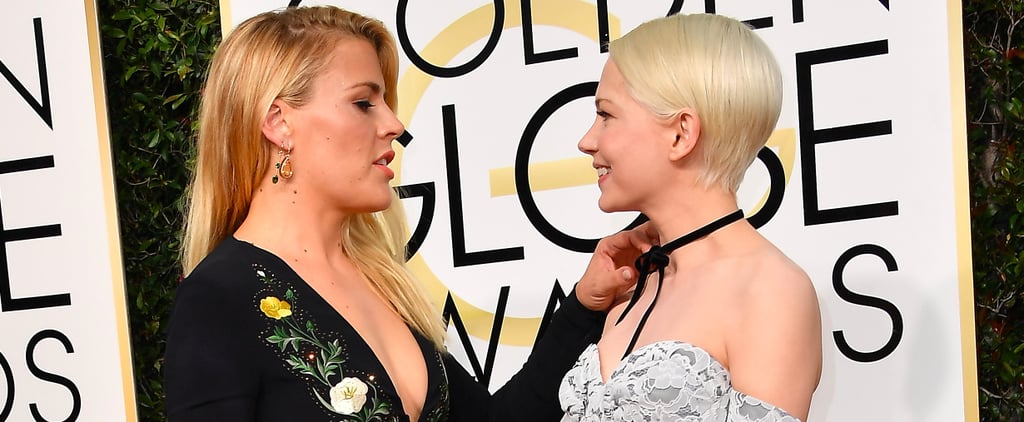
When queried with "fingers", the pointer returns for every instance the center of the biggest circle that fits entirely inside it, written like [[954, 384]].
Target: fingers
[[622, 279], [643, 236], [599, 289], [624, 290], [640, 238]]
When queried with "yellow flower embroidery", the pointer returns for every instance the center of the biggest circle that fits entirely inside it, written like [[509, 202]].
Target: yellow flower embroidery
[[275, 308]]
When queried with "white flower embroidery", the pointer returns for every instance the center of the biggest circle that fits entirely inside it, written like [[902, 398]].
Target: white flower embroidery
[[261, 273], [348, 396]]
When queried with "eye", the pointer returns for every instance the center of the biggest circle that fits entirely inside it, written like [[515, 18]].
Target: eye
[[364, 104], [603, 115]]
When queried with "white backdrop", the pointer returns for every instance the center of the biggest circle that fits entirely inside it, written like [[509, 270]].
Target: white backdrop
[[867, 171], [64, 352]]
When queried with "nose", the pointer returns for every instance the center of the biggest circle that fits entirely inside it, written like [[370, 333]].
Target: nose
[[588, 144], [391, 127]]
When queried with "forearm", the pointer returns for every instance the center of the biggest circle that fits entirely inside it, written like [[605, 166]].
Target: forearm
[[532, 394]]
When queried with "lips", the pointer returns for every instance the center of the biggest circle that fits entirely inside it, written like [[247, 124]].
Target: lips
[[602, 172], [382, 163], [386, 158]]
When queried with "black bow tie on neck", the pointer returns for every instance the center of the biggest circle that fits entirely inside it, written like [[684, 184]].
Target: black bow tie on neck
[[656, 259]]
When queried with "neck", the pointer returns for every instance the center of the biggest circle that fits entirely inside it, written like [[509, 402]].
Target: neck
[[689, 210], [284, 221]]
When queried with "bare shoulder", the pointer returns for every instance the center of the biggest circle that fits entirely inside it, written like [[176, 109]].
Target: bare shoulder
[[777, 297], [778, 282], [774, 347]]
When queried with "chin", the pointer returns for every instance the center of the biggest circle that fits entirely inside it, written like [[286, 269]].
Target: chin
[[382, 205], [376, 204], [609, 206]]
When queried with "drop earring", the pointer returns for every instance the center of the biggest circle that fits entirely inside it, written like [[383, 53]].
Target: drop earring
[[284, 167]]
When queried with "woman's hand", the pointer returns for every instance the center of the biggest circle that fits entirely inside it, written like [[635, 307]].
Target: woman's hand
[[610, 276]]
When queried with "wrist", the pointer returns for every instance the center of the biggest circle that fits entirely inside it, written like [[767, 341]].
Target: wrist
[[573, 301]]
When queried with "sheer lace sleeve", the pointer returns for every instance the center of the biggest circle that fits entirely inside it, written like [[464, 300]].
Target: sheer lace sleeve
[[744, 408]]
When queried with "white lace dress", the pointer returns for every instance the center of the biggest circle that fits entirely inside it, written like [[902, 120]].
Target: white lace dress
[[663, 381]]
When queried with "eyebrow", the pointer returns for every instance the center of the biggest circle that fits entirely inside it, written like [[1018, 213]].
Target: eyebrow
[[598, 101], [373, 86]]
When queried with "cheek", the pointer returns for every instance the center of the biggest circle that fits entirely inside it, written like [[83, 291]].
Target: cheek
[[618, 142]]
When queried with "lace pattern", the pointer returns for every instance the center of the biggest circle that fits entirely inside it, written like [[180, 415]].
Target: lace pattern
[[663, 381]]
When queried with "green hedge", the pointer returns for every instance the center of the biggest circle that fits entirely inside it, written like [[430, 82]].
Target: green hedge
[[155, 54], [993, 41]]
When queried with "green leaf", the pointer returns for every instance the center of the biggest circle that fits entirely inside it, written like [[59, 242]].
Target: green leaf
[[183, 71], [153, 141], [172, 98], [114, 32], [123, 14], [179, 102], [129, 71]]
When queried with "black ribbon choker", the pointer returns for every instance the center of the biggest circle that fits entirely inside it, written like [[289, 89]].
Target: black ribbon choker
[[656, 259]]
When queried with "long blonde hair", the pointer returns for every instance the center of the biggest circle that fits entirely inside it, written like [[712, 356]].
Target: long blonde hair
[[278, 55], [719, 67]]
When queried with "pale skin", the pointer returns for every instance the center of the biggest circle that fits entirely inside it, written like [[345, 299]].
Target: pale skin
[[341, 143], [732, 293]]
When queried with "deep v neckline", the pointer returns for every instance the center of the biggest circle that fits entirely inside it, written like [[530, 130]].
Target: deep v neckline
[[425, 347], [361, 342]]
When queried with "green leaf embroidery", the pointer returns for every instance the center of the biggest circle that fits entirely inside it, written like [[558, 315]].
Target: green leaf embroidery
[[323, 362]]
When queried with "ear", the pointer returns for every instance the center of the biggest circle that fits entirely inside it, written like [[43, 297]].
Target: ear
[[686, 125], [275, 125]]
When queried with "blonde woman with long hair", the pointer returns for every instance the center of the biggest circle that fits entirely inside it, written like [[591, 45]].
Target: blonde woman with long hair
[[297, 305], [723, 326]]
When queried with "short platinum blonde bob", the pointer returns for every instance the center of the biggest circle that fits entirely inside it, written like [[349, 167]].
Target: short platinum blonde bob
[[716, 66]]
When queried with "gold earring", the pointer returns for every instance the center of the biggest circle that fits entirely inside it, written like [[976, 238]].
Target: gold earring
[[284, 167]]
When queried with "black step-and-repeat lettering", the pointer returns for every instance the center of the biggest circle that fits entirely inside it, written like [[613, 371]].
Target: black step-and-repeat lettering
[[64, 354]]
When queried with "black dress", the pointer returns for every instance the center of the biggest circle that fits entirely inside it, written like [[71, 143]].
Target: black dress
[[250, 341]]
